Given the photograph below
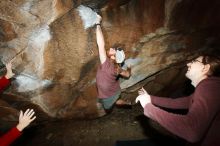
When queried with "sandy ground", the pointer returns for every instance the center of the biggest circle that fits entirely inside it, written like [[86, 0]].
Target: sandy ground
[[121, 124]]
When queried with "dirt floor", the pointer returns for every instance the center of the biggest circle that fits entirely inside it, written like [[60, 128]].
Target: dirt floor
[[121, 124]]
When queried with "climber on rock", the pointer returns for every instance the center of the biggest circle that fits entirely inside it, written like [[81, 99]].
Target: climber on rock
[[109, 71]]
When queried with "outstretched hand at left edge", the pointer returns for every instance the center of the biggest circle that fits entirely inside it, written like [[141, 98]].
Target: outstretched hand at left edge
[[9, 73], [25, 119]]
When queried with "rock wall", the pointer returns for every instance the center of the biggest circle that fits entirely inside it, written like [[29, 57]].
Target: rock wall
[[57, 59]]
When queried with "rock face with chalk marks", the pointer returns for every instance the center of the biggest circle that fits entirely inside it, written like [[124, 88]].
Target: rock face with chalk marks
[[56, 69]]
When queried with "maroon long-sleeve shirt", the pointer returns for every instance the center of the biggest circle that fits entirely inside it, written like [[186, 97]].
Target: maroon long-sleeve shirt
[[9, 137], [3, 83], [201, 125], [14, 133]]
